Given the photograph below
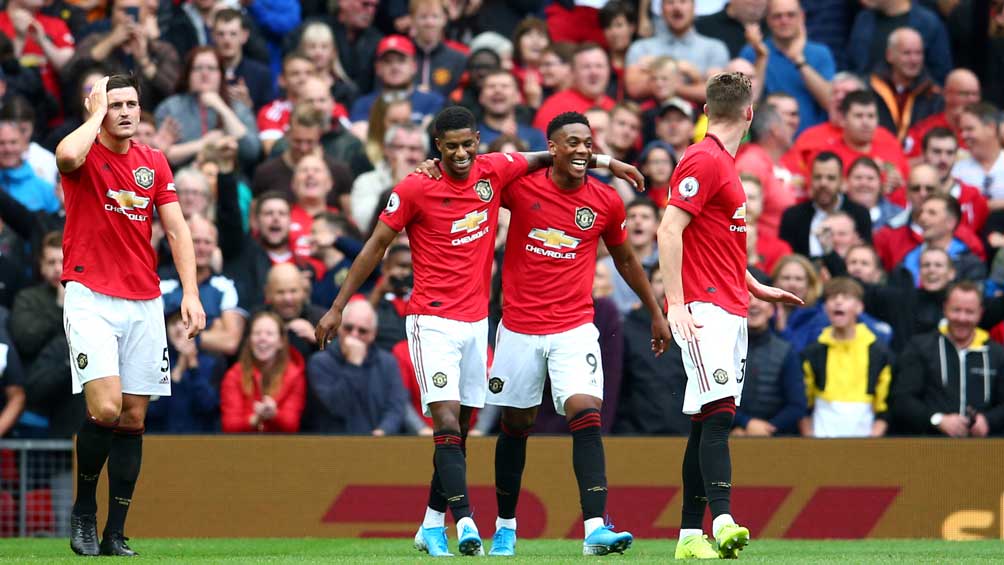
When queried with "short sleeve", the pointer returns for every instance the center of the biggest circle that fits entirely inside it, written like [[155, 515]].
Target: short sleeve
[[402, 206], [60, 35], [694, 183], [615, 232], [507, 166], [163, 180], [228, 293]]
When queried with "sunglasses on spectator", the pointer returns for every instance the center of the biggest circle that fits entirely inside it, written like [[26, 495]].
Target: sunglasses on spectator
[[923, 188], [351, 328]]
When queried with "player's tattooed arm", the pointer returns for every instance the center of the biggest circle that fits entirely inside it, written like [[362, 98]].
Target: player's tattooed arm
[[367, 260], [629, 267]]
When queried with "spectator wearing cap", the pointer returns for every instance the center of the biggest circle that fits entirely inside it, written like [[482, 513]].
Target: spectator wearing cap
[[773, 391], [591, 74], [770, 136], [731, 22], [674, 124], [905, 90], [501, 113], [395, 70], [984, 168], [795, 65], [480, 64], [439, 65], [684, 44], [872, 27]]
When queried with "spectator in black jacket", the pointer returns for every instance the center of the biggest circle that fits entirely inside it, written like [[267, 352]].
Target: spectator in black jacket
[[800, 222], [248, 80], [773, 389], [194, 404], [951, 381], [37, 316], [390, 296], [11, 380]]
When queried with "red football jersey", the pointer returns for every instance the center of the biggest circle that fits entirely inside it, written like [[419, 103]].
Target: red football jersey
[[109, 215], [550, 251], [706, 185], [451, 226], [32, 54]]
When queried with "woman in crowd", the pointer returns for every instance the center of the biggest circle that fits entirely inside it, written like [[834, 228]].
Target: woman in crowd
[[657, 163], [530, 40], [797, 275], [318, 43], [265, 390]]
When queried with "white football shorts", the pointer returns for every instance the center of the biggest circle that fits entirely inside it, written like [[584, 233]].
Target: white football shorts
[[450, 359], [716, 364]]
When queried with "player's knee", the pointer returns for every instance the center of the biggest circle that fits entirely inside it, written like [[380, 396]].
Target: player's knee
[[106, 411], [518, 420], [131, 419], [576, 404]]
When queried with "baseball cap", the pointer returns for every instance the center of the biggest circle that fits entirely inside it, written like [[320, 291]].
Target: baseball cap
[[677, 103], [397, 43]]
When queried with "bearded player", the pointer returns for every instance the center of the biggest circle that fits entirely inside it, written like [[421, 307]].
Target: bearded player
[[112, 310], [450, 223], [559, 216], [702, 255]]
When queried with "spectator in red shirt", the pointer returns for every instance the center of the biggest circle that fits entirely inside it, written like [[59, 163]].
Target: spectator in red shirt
[[40, 41], [962, 88], [591, 74], [941, 150], [530, 42], [617, 20], [763, 248], [771, 135], [273, 118], [265, 390], [860, 138], [311, 184]]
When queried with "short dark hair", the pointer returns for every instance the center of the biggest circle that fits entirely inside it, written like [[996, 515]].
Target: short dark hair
[[985, 112], [964, 286], [586, 46], [307, 116], [453, 118], [123, 81], [865, 161], [229, 15], [564, 119], [643, 202], [398, 248], [859, 97], [843, 285], [824, 156], [938, 133], [563, 50], [613, 9], [728, 95], [17, 109], [952, 205], [266, 196], [525, 26]]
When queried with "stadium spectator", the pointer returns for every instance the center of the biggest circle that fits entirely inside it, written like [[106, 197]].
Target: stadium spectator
[[501, 113], [939, 217], [576, 21], [683, 43], [555, 72], [653, 85], [75, 112], [836, 234], [404, 148], [334, 245], [624, 136], [224, 318], [396, 71], [951, 381], [264, 390], [642, 222], [657, 162], [480, 64], [864, 187], [194, 404], [42, 161], [37, 315], [770, 136], [773, 388], [17, 177], [674, 124], [873, 26], [849, 402], [24, 80], [603, 284], [504, 15], [187, 25], [977, 44], [248, 80], [984, 168], [940, 149], [312, 183], [795, 65], [273, 119], [800, 223], [730, 24], [907, 95], [649, 401], [205, 113], [40, 41], [797, 275], [390, 297], [11, 379], [387, 111], [763, 249], [962, 88], [194, 195], [130, 47], [439, 65], [860, 138], [353, 387], [357, 40], [317, 42], [591, 74], [617, 19], [286, 296]]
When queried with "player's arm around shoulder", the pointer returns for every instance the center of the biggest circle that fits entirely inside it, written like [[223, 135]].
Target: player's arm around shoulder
[[73, 149]]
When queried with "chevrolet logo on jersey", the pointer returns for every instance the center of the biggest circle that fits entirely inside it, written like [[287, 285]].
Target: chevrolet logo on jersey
[[471, 222], [127, 199], [555, 239], [740, 213]]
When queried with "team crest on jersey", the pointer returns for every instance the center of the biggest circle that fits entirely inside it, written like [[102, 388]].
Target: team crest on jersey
[[721, 377], [143, 177], [585, 217], [689, 187], [81, 361], [439, 379], [495, 385], [483, 188]]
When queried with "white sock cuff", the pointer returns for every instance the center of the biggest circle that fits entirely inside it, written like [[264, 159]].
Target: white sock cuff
[[590, 525], [434, 519], [686, 533], [721, 521], [505, 523]]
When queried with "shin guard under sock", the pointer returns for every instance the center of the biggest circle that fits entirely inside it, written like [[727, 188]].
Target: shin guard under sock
[[589, 463], [94, 442], [510, 459], [452, 471], [124, 463]]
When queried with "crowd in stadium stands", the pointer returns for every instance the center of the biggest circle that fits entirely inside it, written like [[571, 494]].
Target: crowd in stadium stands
[[874, 173]]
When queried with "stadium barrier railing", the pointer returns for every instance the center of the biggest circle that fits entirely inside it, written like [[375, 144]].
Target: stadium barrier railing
[[36, 487]]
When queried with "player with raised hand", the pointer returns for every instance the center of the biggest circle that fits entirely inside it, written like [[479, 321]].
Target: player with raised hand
[[112, 310], [450, 220], [559, 216], [702, 255]]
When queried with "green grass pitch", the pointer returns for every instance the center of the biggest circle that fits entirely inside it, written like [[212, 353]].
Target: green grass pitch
[[314, 550]]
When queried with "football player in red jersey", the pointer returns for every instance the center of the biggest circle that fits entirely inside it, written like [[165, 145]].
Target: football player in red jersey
[[112, 310], [450, 223], [559, 216], [702, 255]]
